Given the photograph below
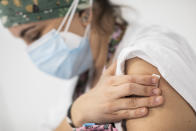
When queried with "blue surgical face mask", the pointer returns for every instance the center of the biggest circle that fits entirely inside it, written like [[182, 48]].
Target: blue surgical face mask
[[62, 54]]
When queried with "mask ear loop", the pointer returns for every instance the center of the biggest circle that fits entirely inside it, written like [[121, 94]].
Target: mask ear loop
[[87, 31], [91, 3], [72, 11], [71, 16], [67, 14]]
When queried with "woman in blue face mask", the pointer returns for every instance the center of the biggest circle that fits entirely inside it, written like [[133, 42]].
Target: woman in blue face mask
[[74, 38], [84, 38]]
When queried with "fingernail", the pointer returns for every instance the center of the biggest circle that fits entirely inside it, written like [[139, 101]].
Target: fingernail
[[143, 110], [156, 91], [158, 100], [155, 78]]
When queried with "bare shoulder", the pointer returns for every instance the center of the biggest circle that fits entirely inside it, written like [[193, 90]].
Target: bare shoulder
[[174, 115]]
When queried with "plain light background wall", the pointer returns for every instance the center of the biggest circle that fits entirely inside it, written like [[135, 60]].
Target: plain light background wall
[[18, 75], [178, 15]]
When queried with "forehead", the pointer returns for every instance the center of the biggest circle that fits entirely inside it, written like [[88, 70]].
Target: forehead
[[16, 30]]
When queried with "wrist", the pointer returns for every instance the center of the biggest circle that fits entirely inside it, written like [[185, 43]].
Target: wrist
[[77, 115]]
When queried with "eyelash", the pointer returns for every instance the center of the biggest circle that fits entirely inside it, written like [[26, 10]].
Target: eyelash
[[36, 37]]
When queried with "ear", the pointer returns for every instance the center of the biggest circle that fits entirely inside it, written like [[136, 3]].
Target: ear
[[86, 17]]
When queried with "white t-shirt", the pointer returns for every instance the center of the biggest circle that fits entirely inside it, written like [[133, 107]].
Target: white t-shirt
[[165, 50]]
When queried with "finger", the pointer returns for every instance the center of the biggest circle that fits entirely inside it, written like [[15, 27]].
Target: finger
[[136, 89], [145, 79], [139, 79], [121, 79], [133, 102], [130, 114], [111, 69]]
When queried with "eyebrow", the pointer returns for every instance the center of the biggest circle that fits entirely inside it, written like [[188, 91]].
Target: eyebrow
[[24, 31]]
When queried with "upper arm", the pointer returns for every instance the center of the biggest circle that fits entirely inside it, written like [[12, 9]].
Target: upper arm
[[174, 115]]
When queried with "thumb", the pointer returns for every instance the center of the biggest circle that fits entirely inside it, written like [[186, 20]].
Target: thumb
[[111, 69]]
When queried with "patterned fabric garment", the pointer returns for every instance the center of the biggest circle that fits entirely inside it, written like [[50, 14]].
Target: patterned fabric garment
[[107, 127], [16, 12]]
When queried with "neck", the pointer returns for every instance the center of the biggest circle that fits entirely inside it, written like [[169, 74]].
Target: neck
[[99, 47]]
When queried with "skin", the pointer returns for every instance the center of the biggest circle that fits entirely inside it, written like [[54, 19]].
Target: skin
[[106, 103], [35, 30], [98, 39], [99, 45], [175, 115]]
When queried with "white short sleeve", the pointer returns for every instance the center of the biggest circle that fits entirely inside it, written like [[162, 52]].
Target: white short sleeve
[[167, 51]]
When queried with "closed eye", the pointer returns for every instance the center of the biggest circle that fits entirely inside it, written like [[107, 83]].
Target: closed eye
[[35, 36], [24, 31], [31, 33]]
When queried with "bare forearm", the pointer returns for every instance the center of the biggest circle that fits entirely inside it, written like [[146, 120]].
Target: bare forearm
[[64, 126]]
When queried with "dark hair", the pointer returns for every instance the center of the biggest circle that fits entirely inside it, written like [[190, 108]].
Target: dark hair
[[104, 17]]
